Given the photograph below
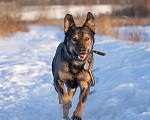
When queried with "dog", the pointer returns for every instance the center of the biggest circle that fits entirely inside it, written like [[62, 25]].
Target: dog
[[71, 62]]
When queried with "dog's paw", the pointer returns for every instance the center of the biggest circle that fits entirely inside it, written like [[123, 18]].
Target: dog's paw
[[75, 118]]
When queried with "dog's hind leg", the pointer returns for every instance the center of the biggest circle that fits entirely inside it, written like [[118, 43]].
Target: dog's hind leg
[[66, 114], [67, 106], [71, 92], [63, 98], [85, 91]]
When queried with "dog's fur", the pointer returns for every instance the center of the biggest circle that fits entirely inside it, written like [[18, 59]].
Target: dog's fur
[[67, 66]]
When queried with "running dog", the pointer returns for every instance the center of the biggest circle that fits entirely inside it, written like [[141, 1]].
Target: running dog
[[72, 60]]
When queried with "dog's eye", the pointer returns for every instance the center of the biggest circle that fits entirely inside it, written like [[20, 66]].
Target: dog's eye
[[87, 39], [74, 39]]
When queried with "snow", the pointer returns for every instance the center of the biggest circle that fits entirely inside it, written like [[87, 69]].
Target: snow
[[122, 78]]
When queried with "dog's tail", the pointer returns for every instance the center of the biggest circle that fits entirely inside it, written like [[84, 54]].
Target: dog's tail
[[99, 53]]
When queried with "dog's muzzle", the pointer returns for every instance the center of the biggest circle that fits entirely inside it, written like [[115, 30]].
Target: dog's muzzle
[[82, 53]]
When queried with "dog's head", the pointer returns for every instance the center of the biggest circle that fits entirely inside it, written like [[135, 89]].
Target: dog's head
[[79, 40]]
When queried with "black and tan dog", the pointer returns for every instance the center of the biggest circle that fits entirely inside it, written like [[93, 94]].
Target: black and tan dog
[[72, 59]]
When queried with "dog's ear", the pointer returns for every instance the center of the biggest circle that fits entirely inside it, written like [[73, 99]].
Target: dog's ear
[[90, 22], [69, 23]]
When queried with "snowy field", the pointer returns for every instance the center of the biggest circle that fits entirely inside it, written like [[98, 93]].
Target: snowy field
[[122, 90]]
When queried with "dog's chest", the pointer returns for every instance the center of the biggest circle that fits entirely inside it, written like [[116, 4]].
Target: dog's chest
[[75, 70], [68, 76], [76, 67], [70, 72], [72, 79]]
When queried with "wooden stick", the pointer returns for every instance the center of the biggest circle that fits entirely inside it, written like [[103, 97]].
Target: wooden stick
[[99, 53]]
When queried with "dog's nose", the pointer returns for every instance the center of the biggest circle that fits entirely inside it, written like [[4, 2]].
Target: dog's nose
[[81, 49]]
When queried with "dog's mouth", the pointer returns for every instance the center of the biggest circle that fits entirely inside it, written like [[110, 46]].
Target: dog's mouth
[[82, 56]]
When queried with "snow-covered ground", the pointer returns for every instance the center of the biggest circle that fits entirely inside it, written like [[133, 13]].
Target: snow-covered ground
[[122, 90]]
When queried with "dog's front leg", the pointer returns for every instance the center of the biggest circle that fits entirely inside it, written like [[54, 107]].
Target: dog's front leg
[[85, 91], [60, 88]]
